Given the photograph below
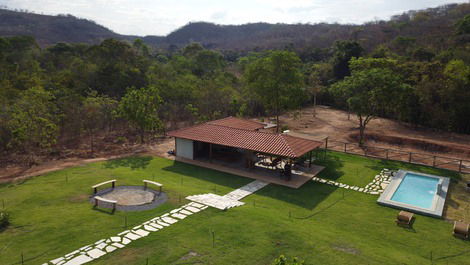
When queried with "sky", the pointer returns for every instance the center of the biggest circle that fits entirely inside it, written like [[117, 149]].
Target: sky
[[160, 17]]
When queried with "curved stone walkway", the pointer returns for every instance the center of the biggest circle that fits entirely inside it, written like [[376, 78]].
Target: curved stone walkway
[[376, 187], [104, 246]]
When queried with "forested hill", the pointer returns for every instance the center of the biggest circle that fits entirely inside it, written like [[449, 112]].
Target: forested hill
[[432, 27], [48, 30]]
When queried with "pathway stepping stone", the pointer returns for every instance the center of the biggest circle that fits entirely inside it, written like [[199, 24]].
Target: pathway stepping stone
[[95, 253], [192, 209], [101, 245], [178, 215], [185, 212], [79, 260], [118, 245], [141, 232], [169, 220], [132, 236], [150, 228], [110, 249], [116, 239]]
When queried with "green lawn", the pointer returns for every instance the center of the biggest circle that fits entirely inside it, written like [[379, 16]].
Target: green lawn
[[318, 223]]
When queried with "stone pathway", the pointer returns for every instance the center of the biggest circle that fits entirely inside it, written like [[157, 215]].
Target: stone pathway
[[377, 186], [229, 200], [104, 246]]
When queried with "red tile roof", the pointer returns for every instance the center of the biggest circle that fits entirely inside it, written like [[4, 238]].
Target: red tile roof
[[238, 123], [269, 143]]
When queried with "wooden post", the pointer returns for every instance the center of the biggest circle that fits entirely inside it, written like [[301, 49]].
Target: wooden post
[[386, 153], [145, 185], [95, 190], [460, 167], [434, 161], [160, 191], [365, 151], [113, 183], [409, 160], [210, 152], [310, 159], [96, 202], [345, 147], [326, 143]]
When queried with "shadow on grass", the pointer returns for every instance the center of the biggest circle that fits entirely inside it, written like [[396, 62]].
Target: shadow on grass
[[135, 162], [106, 211], [307, 196], [332, 168], [206, 174]]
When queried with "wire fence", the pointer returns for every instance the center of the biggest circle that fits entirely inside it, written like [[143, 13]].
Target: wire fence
[[449, 163]]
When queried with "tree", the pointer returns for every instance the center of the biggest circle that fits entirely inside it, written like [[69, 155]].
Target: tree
[[369, 92], [140, 108], [343, 51], [315, 86], [276, 81], [96, 112], [463, 25], [33, 123]]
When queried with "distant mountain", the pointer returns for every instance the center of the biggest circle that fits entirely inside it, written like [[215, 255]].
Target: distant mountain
[[428, 27]]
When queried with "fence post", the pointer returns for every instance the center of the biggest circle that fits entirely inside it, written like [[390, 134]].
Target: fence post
[[326, 143], [386, 153], [434, 161], [409, 160], [345, 147], [365, 152], [460, 166]]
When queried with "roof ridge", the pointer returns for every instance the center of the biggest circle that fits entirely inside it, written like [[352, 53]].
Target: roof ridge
[[287, 144]]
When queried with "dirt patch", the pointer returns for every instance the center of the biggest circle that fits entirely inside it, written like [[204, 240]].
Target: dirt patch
[[421, 144], [336, 125], [18, 173], [346, 249]]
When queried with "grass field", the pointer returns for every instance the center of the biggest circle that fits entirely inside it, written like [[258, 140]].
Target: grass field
[[321, 224]]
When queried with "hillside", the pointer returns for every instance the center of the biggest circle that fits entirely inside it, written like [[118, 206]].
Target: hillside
[[432, 27], [49, 30]]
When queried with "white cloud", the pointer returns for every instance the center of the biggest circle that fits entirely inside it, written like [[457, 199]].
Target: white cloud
[[160, 17]]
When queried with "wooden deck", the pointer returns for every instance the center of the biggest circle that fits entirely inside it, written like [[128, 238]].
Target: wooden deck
[[258, 173]]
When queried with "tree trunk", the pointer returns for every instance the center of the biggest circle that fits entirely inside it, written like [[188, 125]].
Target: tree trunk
[[314, 105], [361, 135], [91, 143], [142, 135], [277, 122]]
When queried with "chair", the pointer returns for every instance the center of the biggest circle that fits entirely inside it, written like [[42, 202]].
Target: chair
[[405, 219], [460, 230]]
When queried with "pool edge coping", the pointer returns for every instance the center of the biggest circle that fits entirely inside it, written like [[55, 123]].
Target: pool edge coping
[[438, 201]]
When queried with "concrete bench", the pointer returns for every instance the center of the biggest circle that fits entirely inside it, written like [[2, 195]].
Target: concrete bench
[[146, 182], [101, 199], [95, 187]]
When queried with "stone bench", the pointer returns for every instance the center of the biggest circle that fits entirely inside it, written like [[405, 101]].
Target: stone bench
[[95, 187], [101, 199], [146, 182]]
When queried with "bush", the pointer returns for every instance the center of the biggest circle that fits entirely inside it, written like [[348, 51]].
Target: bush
[[4, 219], [282, 260], [284, 128]]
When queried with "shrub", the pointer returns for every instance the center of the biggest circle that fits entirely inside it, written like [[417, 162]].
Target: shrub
[[284, 128], [282, 260], [4, 219]]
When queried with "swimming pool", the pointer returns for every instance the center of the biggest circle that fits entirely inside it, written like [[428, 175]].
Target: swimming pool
[[416, 192]]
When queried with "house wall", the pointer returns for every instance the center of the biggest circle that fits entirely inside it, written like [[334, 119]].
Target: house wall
[[184, 148]]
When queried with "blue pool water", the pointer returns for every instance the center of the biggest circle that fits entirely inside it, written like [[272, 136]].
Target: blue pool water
[[417, 190]]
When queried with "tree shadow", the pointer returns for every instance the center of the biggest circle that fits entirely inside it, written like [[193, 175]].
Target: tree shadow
[[307, 196], [332, 166], [134, 162]]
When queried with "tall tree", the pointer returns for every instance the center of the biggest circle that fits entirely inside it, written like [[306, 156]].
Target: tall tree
[[33, 121], [369, 92], [343, 51], [96, 113], [140, 108], [276, 81]]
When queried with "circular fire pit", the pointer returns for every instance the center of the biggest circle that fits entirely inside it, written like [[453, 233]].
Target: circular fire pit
[[131, 198]]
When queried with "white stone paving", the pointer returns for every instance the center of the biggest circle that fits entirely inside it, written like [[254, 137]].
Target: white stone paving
[[102, 247], [377, 186]]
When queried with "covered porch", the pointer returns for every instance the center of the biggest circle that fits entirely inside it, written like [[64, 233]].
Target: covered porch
[[286, 171]]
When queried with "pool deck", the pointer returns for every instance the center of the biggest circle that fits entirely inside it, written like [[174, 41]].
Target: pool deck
[[437, 207]]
